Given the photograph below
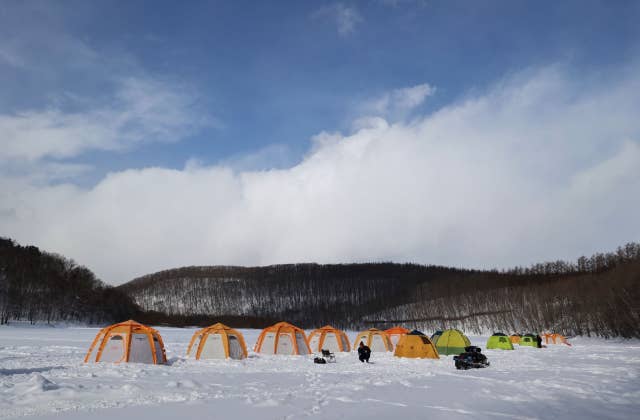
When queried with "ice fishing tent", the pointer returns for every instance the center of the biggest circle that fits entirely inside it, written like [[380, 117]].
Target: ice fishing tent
[[375, 339], [452, 342], [217, 342], [499, 341], [416, 345], [395, 333], [329, 338], [515, 338], [282, 338], [560, 339], [528, 340], [554, 338], [127, 341]]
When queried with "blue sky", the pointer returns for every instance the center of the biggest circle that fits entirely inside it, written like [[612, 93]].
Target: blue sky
[[114, 87], [276, 73]]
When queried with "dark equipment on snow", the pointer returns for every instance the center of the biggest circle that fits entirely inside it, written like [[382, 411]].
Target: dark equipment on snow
[[472, 358], [319, 360], [330, 357]]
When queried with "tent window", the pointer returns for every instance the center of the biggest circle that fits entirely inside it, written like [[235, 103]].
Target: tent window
[[302, 345], [140, 350], [425, 340], [114, 349]]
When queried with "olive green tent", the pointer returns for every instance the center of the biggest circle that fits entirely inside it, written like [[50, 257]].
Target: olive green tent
[[452, 342], [528, 340], [435, 336], [499, 341]]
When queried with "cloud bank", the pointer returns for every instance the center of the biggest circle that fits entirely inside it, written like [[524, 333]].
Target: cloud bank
[[143, 109], [538, 166]]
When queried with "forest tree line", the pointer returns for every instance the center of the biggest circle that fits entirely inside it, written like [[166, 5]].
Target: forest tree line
[[36, 286], [596, 295], [604, 303]]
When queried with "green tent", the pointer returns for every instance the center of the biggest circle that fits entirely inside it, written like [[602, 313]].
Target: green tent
[[499, 341], [452, 342], [528, 340]]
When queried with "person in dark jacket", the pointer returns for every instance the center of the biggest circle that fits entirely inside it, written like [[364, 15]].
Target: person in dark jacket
[[364, 353], [539, 341]]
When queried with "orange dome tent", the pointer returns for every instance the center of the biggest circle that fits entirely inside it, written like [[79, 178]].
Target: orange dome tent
[[282, 338], [375, 339], [127, 341], [554, 338], [395, 333], [217, 342], [515, 338], [329, 338]]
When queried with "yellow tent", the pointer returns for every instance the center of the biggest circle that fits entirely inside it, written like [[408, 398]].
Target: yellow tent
[[127, 341], [452, 342], [375, 339], [329, 338], [217, 342], [416, 345], [282, 338], [395, 333]]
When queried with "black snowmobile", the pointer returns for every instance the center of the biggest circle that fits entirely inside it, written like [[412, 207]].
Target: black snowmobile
[[472, 358]]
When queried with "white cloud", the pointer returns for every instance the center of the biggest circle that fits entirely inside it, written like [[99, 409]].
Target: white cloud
[[540, 166], [346, 18], [144, 110], [64, 95], [399, 101]]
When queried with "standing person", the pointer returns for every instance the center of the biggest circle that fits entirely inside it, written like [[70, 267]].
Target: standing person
[[539, 341], [364, 353]]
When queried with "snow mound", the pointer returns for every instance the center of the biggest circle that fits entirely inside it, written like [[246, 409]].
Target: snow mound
[[36, 384]]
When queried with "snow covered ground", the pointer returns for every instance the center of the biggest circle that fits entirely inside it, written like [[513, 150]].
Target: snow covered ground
[[42, 375]]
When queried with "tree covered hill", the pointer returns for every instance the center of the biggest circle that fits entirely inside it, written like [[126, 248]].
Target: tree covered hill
[[593, 296], [599, 295], [42, 287]]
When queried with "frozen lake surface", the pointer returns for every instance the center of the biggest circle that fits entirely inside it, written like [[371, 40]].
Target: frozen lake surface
[[42, 375]]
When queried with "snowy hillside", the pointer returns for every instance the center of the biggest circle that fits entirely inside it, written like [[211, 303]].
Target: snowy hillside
[[42, 375], [596, 296]]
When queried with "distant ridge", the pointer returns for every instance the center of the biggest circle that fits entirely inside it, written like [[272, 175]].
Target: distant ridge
[[38, 287], [599, 295]]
